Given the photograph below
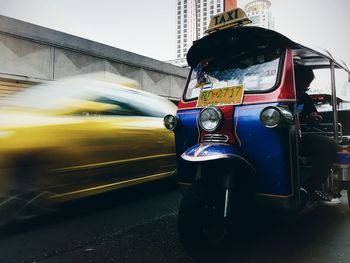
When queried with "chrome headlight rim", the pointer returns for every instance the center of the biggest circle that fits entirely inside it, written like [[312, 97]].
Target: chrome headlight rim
[[284, 119], [220, 118], [264, 111], [170, 122]]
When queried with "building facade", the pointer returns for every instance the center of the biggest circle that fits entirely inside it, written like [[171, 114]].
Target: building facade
[[193, 18], [259, 12]]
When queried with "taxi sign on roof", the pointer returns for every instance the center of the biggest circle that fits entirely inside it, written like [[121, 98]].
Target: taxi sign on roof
[[231, 18]]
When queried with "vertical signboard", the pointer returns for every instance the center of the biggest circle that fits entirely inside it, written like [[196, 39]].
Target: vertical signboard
[[230, 4]]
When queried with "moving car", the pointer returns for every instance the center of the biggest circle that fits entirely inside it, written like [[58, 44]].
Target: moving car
[[78, 137]]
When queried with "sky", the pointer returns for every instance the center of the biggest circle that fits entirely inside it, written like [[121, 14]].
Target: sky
[[148, 27]]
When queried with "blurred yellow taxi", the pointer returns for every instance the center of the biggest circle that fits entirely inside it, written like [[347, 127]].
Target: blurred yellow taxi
[[78, 137]]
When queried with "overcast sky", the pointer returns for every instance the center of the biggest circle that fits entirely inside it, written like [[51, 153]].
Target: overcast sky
[[148, 27]]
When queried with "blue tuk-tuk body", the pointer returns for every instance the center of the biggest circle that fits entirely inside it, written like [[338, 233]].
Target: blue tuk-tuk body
[[237, 131]]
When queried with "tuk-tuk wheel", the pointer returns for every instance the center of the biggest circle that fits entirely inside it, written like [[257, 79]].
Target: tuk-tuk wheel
[[203, 231]]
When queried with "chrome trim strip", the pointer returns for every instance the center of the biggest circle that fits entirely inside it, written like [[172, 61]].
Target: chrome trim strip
[[200, 149], [215, 138], [103, 164], [117, 184], [272, 195], [216, 157]]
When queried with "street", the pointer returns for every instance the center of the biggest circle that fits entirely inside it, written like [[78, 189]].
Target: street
[[139, 225]]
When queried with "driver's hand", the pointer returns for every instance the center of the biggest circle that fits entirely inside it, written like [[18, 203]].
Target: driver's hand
[[314, 118]]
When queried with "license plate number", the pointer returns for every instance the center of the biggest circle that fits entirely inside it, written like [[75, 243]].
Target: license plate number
[[221, 96]]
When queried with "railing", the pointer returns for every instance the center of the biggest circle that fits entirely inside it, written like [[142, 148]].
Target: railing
[[323, 129]]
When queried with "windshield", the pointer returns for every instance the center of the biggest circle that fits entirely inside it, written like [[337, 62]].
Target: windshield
[[257, 72]]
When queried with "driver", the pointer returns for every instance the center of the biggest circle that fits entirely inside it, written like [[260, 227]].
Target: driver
[[319, 148]]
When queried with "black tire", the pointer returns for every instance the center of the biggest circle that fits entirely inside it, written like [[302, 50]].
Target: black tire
[[203, 231], [26, 197]]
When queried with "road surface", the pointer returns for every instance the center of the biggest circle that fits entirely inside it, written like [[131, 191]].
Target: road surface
[[139, 225]]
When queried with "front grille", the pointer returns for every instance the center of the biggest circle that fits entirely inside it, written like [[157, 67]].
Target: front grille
[[215, 138]]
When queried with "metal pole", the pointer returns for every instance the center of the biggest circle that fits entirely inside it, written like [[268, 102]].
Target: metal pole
[[334, 102]]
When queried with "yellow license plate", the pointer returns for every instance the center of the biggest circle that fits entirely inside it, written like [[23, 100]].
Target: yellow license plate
[[221, 96]]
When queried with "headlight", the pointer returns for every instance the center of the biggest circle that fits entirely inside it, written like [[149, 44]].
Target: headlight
[[170, 122], [210, 119], [272, 117]]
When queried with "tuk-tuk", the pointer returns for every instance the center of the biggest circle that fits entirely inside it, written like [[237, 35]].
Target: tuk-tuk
[[237, 131]]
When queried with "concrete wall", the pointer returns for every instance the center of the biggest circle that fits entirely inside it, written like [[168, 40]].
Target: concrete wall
[[34, 53]]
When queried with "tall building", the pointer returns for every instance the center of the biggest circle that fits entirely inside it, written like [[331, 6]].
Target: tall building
[[259, 12], [192, 20]]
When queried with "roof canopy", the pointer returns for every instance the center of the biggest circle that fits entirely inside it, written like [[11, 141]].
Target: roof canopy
[[243, 39]]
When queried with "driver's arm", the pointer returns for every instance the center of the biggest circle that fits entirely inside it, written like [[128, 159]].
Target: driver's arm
[[310, 112]]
